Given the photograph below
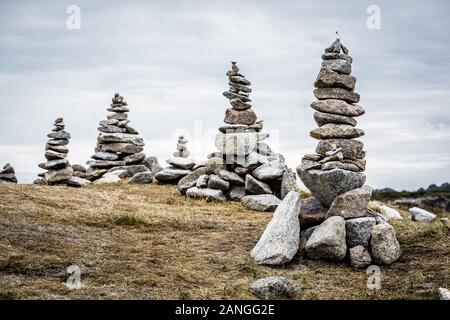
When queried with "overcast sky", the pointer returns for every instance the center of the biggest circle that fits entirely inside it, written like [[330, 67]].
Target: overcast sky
[[169, 59]]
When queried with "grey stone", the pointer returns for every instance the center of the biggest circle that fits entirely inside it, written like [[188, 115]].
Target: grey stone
[[134, 158], [120, 138], [233, 96], [111, 129], [190, 180], [79, 168], [130, 170], [57, 176], [58, 142], [236, 193], [240, 87], [152, 164], [262, 202], [142, 178], [255, 186], [384, 244], [215, 165], [171, 175], [269, 171], [207, 194], [351, 149], [231, 177], [117, 116], [339, 107], [327, 78], [336, 131], [325, 118], [108, 178], [108, 156], [59, 135], [240, 79], [104, 164], [338, 65], [273, 288], [182, 163], [126, 148], [351, 204], [327, 185], [246, 117], [444, 294], [336, 93], [359, 257], [359, 231], [340, 165], [202, 181], [77, 182], [238, 104], [334, 56], [216, 182], [312, 211], [280, 241], [419, 214], [288, 183], [328, 240], [56, 164], [53, 155]]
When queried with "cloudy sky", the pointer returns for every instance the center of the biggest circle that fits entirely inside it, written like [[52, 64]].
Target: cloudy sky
[[169, 59]]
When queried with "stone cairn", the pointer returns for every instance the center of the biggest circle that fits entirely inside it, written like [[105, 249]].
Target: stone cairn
[[8, 175], [59, 171], [182, 150], [336, 222], [118, 154], [244, 168]]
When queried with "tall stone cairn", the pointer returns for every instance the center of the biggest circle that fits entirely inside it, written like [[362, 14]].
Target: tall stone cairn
[[59, 171], [8, 175], [338, 163], [244, 165], [118, 145], [338, 210]]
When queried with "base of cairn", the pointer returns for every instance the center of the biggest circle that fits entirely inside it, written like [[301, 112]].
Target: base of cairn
[[335, 222]]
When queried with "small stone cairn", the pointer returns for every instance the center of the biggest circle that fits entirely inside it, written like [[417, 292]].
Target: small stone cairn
[[118, 154], [182, 150], [8, 175], [335, 222], [244, 168], [59, 171]]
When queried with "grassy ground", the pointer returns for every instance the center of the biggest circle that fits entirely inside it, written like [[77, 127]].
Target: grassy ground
[[148, 242]]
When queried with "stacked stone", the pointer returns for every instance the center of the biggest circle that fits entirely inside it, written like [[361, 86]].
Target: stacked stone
[[8, 175], [334, 175], [244, 166], [119, 149], [58, 168], [182, 150]]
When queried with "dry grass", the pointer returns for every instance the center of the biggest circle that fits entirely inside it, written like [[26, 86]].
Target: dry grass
[[148, 242]]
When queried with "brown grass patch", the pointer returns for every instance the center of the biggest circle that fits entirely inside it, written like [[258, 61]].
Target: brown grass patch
[[148, 242]]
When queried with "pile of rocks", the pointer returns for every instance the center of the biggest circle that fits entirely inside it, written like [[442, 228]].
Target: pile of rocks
[[8, 175], [336, 222], [179, 168], [182, 150], [119, 149], [58, 168], [244, 165]]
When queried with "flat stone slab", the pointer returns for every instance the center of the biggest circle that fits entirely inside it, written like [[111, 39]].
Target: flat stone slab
[[273, 288], [262, 202], [181, 163], [419, 214], [339, 107], [280, 241], [336, 131], [207, 194]]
